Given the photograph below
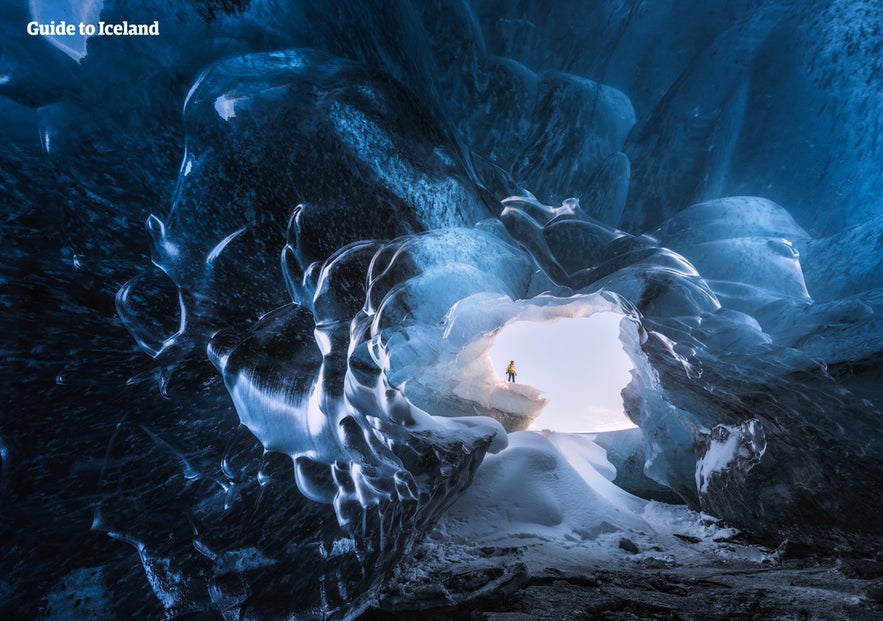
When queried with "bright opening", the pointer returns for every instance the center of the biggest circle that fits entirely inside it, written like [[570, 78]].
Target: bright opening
[[578, 363]]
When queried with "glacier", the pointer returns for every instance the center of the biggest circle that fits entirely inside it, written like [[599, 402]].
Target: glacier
[[253, 268]]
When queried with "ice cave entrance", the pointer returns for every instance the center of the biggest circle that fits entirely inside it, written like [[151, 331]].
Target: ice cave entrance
[[578, 363]]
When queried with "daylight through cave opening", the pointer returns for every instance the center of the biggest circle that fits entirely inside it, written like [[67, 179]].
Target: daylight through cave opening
[[578, 363]]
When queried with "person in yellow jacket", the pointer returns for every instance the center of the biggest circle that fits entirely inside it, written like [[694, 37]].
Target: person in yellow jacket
[[510, 371]]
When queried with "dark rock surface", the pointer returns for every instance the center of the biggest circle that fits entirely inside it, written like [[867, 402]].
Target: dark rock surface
[[825, 588]]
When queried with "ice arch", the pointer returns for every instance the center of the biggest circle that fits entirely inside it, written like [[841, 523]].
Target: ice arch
[[455, 369]]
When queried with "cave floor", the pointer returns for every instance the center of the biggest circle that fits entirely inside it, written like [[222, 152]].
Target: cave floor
[[614, 578]]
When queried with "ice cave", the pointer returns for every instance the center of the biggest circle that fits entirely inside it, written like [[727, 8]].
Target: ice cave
[[265, 264]]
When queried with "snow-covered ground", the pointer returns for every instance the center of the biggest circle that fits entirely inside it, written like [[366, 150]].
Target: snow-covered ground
[[551, 496], [543, 534]]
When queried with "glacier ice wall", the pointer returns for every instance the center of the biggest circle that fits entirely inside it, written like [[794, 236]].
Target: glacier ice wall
[[344, 204]]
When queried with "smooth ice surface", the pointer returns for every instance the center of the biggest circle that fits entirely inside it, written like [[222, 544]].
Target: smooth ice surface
[[579, 364]]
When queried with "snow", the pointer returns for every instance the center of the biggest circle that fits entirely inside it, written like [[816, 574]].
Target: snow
[[546, 504], [717, 458], [553, 492], [533, 490]]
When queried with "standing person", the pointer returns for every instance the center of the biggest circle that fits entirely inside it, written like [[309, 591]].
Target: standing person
[[511, 372]]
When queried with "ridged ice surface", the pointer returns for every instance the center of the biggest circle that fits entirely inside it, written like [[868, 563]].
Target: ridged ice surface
[[315, 222]]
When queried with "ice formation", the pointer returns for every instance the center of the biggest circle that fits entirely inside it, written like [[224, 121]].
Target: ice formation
[[367, 196]]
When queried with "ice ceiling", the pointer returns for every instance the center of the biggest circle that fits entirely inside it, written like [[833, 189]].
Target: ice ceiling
[[368, 193]]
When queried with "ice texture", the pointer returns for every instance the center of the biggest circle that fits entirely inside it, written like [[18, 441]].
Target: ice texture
[[71, 12], [314, 221]]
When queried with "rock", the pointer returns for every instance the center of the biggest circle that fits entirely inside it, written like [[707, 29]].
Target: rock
[[862, 568], [790, 549], [687, 538], [628, 545], [874, 592]]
